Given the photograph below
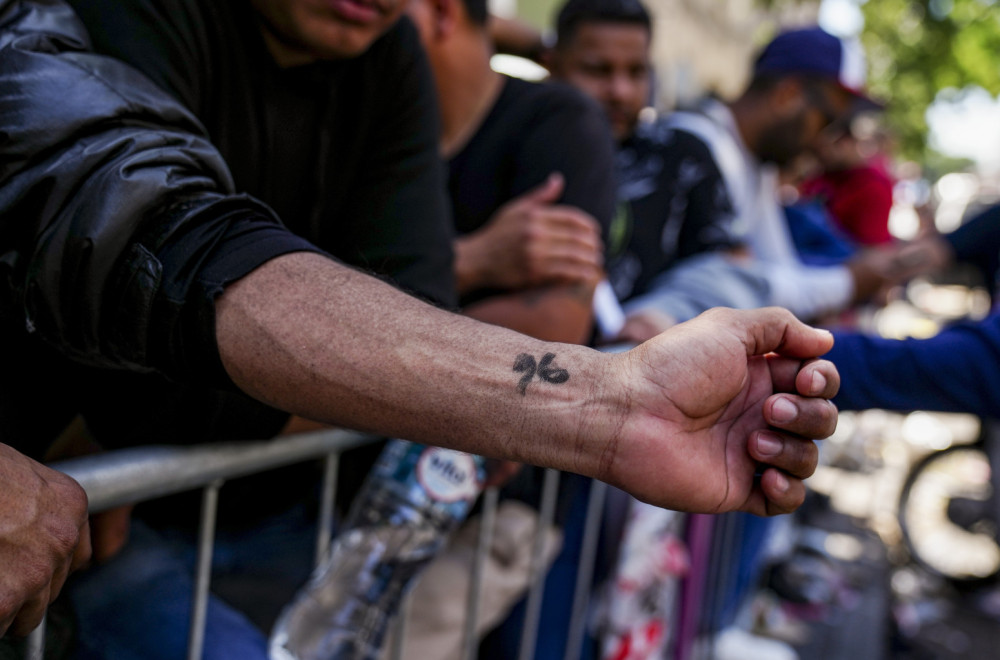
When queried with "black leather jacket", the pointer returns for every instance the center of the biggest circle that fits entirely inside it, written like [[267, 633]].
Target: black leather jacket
[[100, 173]]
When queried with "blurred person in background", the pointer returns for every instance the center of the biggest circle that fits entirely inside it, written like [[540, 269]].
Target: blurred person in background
[[853, 183], [701, 224], [953, 371]]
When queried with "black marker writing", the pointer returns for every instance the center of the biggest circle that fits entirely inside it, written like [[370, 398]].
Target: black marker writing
[[546, 371]]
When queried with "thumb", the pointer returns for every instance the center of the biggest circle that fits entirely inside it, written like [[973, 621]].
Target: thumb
[[773, 329], [547, 192]]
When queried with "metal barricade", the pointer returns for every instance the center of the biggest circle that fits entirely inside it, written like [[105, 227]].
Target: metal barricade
[[140, 474]]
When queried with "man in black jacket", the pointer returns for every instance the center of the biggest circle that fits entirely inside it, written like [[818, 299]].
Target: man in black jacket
[[129, 241]]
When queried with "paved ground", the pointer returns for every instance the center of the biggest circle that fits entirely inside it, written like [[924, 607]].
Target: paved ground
[[882, 607]]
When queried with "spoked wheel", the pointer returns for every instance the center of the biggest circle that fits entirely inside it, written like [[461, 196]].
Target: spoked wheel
[[947, 515]]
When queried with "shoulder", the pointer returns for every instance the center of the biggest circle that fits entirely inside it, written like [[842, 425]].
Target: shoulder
[[691, 133], [549, 99], [669, 141], [112, 17]]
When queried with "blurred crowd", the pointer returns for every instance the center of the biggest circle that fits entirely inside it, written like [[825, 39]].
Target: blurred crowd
[[571, 210]]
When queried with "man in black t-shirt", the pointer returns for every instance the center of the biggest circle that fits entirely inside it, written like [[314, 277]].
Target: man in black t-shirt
[[349, 166], [529, 179]]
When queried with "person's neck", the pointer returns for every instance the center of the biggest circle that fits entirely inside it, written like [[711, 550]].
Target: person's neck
[[467, 90], [284, 55]]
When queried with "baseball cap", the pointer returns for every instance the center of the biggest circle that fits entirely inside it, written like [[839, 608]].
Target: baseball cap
[[816, 51]]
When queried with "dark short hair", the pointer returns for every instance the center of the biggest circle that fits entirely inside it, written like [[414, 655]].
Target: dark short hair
[[576, 12], [477, 11]]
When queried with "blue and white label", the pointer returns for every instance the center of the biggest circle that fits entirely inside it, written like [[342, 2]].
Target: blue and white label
[[447, 475]]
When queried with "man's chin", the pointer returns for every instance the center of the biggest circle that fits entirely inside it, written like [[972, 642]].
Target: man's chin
[[345, 41]]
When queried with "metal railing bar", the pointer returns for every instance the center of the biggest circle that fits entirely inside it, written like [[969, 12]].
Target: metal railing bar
[[399, 628], [137, 474], [533, 608], [206, 538], [487, 522], [585, 569], [324, 526], [36, 642]]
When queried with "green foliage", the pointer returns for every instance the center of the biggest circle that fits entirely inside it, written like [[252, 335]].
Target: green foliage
[[918, 48], [936, 165]]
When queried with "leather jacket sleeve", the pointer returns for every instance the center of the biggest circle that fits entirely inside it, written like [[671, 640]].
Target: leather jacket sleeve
[[112, 205]]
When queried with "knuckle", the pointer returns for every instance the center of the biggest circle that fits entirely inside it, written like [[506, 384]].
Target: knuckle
[[719, 314], [72, 496], [533, 233]]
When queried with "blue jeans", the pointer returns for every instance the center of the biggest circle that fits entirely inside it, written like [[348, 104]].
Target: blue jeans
[[138, 605]]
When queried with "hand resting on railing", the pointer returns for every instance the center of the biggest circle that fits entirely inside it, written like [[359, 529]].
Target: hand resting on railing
[[43, 536]]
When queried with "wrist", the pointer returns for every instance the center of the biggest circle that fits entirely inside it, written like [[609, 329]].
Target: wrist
[[585, 416]]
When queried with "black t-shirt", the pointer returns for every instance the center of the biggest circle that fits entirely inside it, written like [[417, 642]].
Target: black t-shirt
[[673, 204], [344, 151], [532, 130]]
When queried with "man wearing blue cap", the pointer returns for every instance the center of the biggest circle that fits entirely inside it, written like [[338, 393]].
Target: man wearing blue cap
[[702, 225]]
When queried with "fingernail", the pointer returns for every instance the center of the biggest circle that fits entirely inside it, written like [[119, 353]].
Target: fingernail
[[818, 382], [768, 445], [781, 483], [783, 411]]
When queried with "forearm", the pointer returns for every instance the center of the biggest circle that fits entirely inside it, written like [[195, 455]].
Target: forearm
[[516, 37], [468, 274], [956, 370], [810, 291], [317, 339], [560, 314]]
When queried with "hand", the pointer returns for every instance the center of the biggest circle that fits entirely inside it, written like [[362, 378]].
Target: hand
[[643, 325], [872, 272], [531, 241], [43, 536], [711, 406], [921, 257]]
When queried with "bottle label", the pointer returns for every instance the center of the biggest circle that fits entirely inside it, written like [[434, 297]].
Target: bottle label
[[446, 475], [443, 480]]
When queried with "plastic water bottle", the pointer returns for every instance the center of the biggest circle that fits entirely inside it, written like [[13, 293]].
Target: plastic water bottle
[[414, 497]]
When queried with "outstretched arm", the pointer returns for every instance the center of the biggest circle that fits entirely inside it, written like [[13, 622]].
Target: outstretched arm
[[955, 369], [681, 421]]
